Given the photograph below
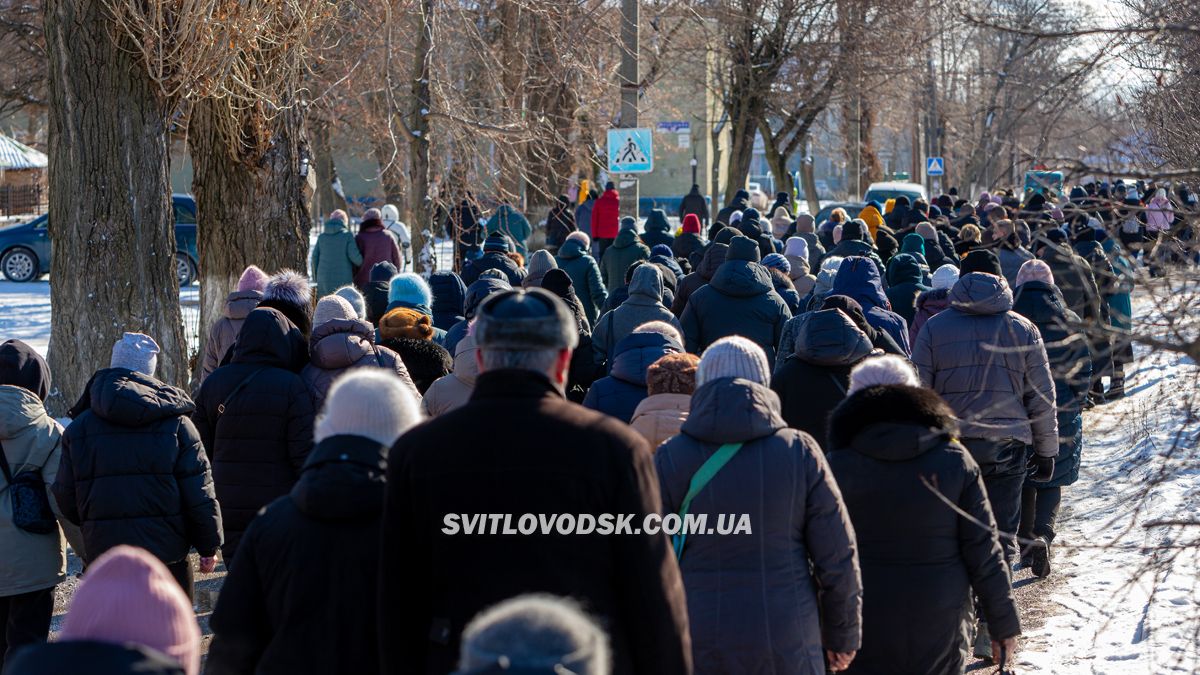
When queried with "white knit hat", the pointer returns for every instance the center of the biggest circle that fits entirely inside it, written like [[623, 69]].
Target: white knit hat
[[135, 351], [734, 356], [351, 295], [945, 276], [887, 369], [797, 247], [332, 307], [369, 402]]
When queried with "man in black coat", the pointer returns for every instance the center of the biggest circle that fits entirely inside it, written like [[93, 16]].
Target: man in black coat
[[133, 469], [519, 448], [255, 417], [495, 249], [694, 203], [322, 536]]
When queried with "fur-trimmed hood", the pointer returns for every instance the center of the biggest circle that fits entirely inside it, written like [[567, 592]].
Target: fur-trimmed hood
[[891, 422]]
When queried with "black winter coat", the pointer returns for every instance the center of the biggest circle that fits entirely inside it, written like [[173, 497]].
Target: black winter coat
[[739, 300], [714, 257], [134, 472], [259, 443], [619, 394], [919, 558], [694, 202], [282, 612], [504, 452], [493, 261], [91, 657]]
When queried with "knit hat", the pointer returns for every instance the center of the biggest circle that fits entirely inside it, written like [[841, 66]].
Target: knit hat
[[368, 402], [751, 215], [330, 308], [339, 214], [853, 230], [580, 237], [135, 351], [945, 276], [383, 270], [525, 320], [926, 230], [981, 260], [405, 322], [496, 242], [412, 291], [351, 295], [372, 214], [663, 250], [672, 374], [733, 356], [725, 235], [628, 223], [777, 261], [742, 248], [886, 369], [1034, 270], [128, 595], [691, 224], [797, 247], [252, 279]]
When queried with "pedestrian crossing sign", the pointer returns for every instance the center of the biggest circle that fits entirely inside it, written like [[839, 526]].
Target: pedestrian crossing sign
[[630, 151], [935, 166]]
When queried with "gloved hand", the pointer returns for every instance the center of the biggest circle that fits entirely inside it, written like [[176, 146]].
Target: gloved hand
[[1041, 469]]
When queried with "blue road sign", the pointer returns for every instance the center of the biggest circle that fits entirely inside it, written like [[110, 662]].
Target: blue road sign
[[630, 151], [935, 166]]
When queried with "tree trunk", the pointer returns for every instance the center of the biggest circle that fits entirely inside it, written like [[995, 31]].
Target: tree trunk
[[326, 171], [776, 161], [748, 109], [423, 209], [112, 231], [809, 181], [251, 203]]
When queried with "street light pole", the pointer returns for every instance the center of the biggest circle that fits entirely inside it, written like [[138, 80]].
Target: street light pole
[[630, 77]]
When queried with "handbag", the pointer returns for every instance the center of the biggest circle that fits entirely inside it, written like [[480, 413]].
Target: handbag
[[701, 478], [30, 503], [221, 407]]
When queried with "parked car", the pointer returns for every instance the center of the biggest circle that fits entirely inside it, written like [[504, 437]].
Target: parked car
[[25, 248], [881, 192]]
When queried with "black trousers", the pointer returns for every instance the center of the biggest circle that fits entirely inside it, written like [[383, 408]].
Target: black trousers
[[1002, 465], [1039, 511], [24, 620], [182, 571]]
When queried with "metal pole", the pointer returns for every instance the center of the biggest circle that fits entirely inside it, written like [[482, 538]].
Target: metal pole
[[630, 77]]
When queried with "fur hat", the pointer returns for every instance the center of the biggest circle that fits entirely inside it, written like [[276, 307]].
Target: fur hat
[[886, 369], [411, 291], [672, 374], [351, 295], [368, 402], [945, 276], [404, 322], [289, 286], [889, 404], [580, 237], [425, 360], [734, 356], [660, 328], [129, 596], [331, 308], [777, 261], [252, 279], [135, 351], [1035, 270]]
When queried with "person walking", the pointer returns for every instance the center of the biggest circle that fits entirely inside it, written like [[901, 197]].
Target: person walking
[[510, 222], [244, 298], [376, 245], [606, 215], [643, 305], [134, 471], [335, 257], [495, 256], [560, 222], [574, 259], [670, 382], [858, 278], [657, 230], [619, 394], [930, 303], [801, 543], [625, 250], [513, 427], [694, 204], [689, 240]]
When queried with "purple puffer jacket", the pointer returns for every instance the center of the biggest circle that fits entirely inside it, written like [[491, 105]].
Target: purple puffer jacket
[[929, 304], [342, 344], [377, 245]]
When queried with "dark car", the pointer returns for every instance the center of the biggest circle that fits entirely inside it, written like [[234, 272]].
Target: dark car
[[852, 209], [25, 248]]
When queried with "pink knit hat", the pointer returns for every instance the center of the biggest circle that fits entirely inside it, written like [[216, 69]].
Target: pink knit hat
[[127, 595], [1034, 270], [253, 279]]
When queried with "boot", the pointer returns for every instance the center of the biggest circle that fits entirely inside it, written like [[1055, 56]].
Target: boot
[[1039, 557], [983, 641], [1116, 389]]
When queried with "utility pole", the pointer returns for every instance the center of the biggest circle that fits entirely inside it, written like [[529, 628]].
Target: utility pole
[[631, 78]]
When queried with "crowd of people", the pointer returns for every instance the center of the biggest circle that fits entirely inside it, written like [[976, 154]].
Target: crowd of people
[[891, 399]]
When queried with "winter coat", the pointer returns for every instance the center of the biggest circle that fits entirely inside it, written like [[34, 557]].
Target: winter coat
[[134, 471], [658, 417], [774, 600], [585, 278], [920, 559], [559, 223], [606, 215], [376, 293], [493, 260], [1120, 301], [335, 258], [222, 334], [539, 263], [862, 249], [643, 305], [462, 223], [695, 203], [454, 390], [816, 250], [377, 245], [259, 443], [1073, 276], [739, 300], [813, 379], [929, 304], [513, 223], [626, 250], [619, 394], [1071, 366], [714, 257], [449, 299], [507, 444], [477, 292], [940, 251], [583, 216], [740, 202], [686, 244], [278, 615], [341, 345], [31, 440], [657, 229], [857, 278], [91, 657], [783, 286], [904, 285], [1011, 259], [989, 364], [1160, 213]]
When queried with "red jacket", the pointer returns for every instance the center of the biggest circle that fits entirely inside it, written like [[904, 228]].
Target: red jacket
[[605, 215]]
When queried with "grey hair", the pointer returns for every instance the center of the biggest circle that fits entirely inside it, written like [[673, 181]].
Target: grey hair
[[661, 328], [537, 360], [538, 632]]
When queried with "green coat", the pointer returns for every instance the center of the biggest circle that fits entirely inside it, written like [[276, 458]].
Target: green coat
[[335, 258], [626, 249], [585, 277]]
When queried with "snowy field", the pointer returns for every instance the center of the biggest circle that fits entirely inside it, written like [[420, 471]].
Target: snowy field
[[1122, 598]]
